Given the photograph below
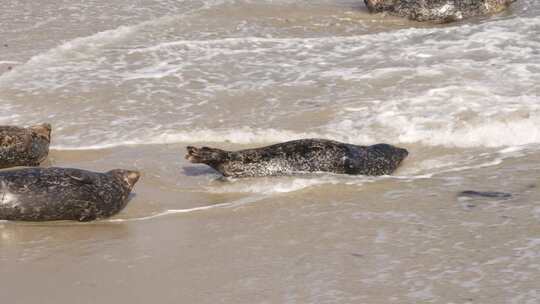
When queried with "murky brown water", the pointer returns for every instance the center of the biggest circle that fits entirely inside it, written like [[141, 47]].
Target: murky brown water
[[130, 84]]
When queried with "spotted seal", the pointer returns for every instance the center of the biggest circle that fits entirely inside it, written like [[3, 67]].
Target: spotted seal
[[439, 11], [48, 194], [301, 156], [24, 146]]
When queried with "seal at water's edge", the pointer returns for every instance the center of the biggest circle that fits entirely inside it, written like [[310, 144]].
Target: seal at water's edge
[[49, 194], [301, 156], [24, 146], [438, 11]]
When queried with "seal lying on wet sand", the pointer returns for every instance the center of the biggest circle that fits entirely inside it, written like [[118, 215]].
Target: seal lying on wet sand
[[301, 156], [439, 11], [48, 194], [24, 146]]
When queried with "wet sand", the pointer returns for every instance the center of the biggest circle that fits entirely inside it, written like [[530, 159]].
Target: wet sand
[[385, 240], [130, 86]]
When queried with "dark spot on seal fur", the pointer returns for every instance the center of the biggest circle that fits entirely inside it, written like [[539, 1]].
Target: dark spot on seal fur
[[6, 45], [24, 146], [49, 194], [438, 11], [301, 156], [486, 194]]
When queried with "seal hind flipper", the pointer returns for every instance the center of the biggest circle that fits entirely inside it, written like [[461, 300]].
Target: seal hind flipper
[[205, 155]]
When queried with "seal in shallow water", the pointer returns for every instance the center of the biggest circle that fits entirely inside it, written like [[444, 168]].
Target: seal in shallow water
[[24, 146], [439, 11], [301, 156], [48, 194]]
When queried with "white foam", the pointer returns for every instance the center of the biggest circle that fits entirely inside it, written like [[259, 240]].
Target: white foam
[[267, 186], [76, 48], [379, 88], [278, 185], [169, 212], [490, 133], [71, 57], [536, 213], [234, 204], [245, 135], [445, 121], [6, 196]]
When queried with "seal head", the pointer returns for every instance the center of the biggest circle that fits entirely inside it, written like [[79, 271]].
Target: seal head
[[127, 178]]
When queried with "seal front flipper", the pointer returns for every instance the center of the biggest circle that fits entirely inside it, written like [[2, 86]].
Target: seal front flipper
[[80, 177], [83, 211]]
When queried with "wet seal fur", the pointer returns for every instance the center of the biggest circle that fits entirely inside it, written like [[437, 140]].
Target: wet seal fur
[[301, 156], [49, 194], [24, 146], [438, 11]]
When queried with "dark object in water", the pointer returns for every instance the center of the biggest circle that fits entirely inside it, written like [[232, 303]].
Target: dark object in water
[[486, 194], [301, 156], [438, 11], [50, 194]]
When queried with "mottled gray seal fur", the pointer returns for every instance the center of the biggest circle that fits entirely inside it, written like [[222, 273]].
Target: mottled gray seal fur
[[301, 156], [24, 146], [48, 194], [439, 11]]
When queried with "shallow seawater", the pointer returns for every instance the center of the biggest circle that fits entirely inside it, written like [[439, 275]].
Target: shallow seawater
[[130, 84]]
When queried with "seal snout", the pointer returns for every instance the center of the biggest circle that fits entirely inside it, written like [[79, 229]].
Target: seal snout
[[398, 155], [192, 154], [43, 131], [199, 155], [129, 178], [403, 153]]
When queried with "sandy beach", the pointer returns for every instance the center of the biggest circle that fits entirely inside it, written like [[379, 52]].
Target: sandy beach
[[130, 84]]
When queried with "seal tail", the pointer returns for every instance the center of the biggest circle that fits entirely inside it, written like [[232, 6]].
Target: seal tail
[[205, 155]]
